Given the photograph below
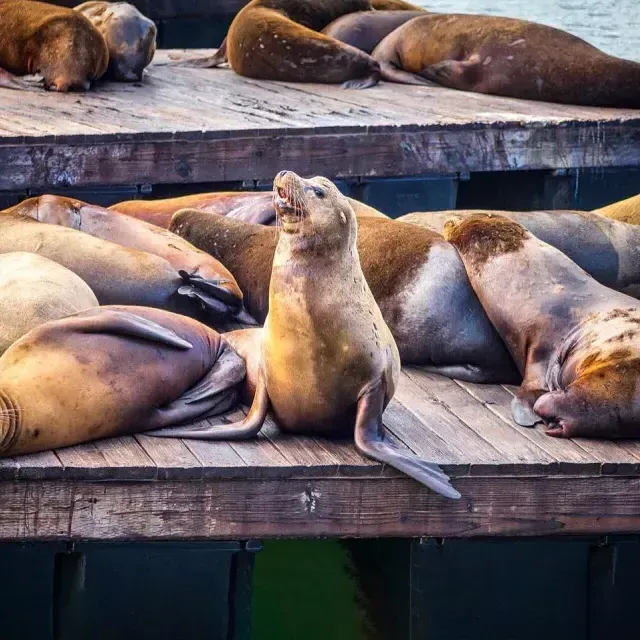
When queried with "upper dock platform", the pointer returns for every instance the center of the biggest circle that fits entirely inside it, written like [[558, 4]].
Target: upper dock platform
[[186, 125]]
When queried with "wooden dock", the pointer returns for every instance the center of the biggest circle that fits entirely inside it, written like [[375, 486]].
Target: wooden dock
[[514, 481], [211, 125]]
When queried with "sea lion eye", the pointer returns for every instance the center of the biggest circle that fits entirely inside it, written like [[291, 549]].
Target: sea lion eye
[[319, 192]]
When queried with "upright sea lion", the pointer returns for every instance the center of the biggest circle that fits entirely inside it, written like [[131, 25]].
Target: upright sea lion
[[35, 290], [624, 211], [417, 279], [214, 280], [507, 57], [365, 29], [249, 206], [115, 274], [130, 37], [328, 360], [607, 250], [56, 42], [576, 342], [110, 371]]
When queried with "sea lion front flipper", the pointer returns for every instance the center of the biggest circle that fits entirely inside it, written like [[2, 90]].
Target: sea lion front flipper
[[522, 406], [9, 81], [470, 373], [242, 430], [362, 83], [455, 74], [372, 441], [212, 287], [391, 73], [124, 323]]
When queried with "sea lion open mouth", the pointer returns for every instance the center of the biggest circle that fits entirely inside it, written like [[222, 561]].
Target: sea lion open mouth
[[287, 201]]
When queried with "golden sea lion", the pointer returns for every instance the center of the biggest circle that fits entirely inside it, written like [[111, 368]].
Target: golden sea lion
[[576, 342], [215, 284], [507, 57], [55, 42], [624, 211], [35, 290], [328, 360], [110, 371]]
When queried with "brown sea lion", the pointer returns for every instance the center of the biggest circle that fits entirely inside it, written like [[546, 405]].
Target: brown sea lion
[[248, 206], [624, 211], [130, 37], [110, 371], [417, 279], [576, 342], [35, 290], [507, 57], [115, 274], [607, 250], [327, 360], [214, 280], [364, 30], [55, 42]]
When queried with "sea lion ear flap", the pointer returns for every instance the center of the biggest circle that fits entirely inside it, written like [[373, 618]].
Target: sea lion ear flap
[[522, 407]]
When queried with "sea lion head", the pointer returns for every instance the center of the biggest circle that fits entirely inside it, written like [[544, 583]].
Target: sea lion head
[[313, 208], [52, 210]]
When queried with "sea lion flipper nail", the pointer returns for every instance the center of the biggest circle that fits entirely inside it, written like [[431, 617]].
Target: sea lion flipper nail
[[241, 430], [371, 441]]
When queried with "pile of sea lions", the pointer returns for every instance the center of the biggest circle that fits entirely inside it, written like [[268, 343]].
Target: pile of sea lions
[[355, 43], [150, 313]]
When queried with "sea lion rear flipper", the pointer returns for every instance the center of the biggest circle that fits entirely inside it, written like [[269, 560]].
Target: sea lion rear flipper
[[371, 441], [472, 373], [207, 62], [242, 430], [362, 83], [393, 74], [101, 320], [522, 407]]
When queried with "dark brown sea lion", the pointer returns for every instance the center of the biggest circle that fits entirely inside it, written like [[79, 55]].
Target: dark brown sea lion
[[110, 371], [248, 206], [214, 280], [116, 275], [364, 30], [130, 37], [417, 279], [55, 42], [35, 290], [576, 342], [327, 360], [507, 57], [624, 211], [607, 250]]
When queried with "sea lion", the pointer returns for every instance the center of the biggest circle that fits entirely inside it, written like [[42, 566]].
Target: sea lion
[[327, 359], [249, 206], [115, 274], [110, 371], [35, 290], [507, 57], [607, 250], [214, 280], [130, 37], [576, 342], [417, 279], [58, 43], [624, 211], [366, 29]]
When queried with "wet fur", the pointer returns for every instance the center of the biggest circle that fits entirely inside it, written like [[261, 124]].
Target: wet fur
[[624, 211]]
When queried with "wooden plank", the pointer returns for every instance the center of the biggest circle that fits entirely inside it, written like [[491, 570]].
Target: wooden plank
[[39, 466], [571, 458], [84, 461], [126, 459], [525, 455], [233, 509], [171, 457]]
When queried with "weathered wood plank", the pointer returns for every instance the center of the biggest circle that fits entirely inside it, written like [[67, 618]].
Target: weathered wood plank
[[491, 506], [171, 457], [84, 461], [127, 459]]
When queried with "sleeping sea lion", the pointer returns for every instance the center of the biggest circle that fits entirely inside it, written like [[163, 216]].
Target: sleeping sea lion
[[130, 37], [607, 250], [110, 371], [115, 274], [35, 290], [416, 278], [365, 29], [576, 342], [328, 360], [249, 206], [214, 280], [55, 42], [624, 211], [507, 57]]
